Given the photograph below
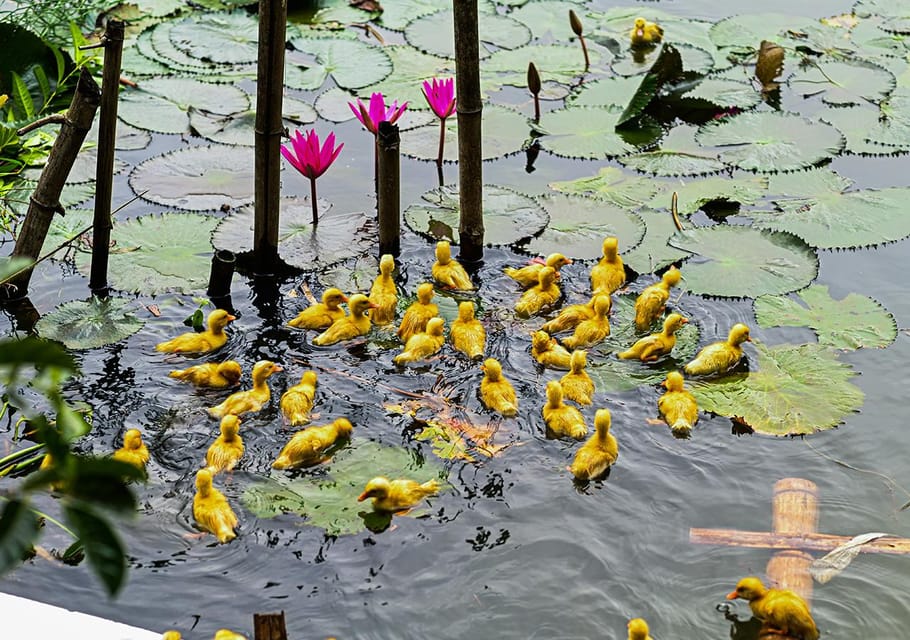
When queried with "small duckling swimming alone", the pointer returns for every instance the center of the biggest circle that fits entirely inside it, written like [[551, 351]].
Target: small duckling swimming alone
[[529, 275], [226, 451], [397, 495], [720, 356], [656, 345], [638, 629], [645, 33], [448, 272], [384, 293], [216, 375], [677, 406], [308, 447], [133, 451], [353, 326], [570, 317], [548, 352], [496, 392], [211, 509], [251, 400], [322, 314], [782, 611], [591, 332], [297, 402], [423, 345], [652, 301], [609, 274], [466, 332], [577, 384], [561, 419], [212, 338], [540, 297], [227, 634], [419, 313], [600, 451]]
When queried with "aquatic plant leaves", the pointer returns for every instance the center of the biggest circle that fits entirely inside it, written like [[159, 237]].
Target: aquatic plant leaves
[[410, 68], [504, 131], [64, 228], [351, 276], [746, 32], [590, 132], [225, 38], [725, 93], [693, 194], [677, 155], [163, 104], [665, 68], [548, 19], [556, 63], [396, 15], [433, 33], [850, 323], [240, 128], [893, 127], [615, 91], [11, 266], [795, 390], [508, 216], [691, 59], [612, 185], [857, 124], [654, 253], [352, 64], [87, 324], [843, 83]]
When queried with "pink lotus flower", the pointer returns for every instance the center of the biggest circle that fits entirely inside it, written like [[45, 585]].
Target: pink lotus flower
[[305, 154], [378, 112], [440, 95]]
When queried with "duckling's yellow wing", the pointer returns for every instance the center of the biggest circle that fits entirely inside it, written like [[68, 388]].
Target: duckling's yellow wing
[[715, 358]]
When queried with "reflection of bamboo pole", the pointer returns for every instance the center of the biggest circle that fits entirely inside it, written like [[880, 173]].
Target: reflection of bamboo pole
[[388, 194]]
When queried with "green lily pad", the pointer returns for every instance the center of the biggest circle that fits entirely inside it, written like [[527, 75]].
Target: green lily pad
[[396, 15], [893, 127], [548, 19], [154, 254], [332, 105], [160, 8], [155, 44], [434, 33], [87, 324], [197, 178], [857, 124], [844, 83], [745, 32], [352, 64], [796, 390], [65, 228], [654, 253], [356, 275], [556, 63], [343, 14], [578, 226], [738, 261], [695, 194], [410, 68], [823, 40], [615, 91], [725, 93], [770, 141], [508, 216], [590, 132], [851, 323], [240, 128], [504, 131], [226, 38], [663, 68], [611, 185], [677, 155], [693, 59]]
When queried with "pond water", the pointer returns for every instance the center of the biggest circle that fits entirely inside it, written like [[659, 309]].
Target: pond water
[[511, 547]]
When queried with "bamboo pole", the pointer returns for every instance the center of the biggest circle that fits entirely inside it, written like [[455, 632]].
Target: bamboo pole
[[269, 626], [388, 193], [810, 541], [794, 511], [104, 168], [221, 274]]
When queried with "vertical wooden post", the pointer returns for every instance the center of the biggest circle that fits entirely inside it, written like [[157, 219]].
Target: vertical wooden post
[[221, 274], [104, 168], [388, 192], [269, 626], [269, 127], [470, 112], [794, 512]]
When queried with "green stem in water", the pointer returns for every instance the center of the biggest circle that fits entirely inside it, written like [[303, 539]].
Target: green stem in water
[[13, 457], [442, 141]]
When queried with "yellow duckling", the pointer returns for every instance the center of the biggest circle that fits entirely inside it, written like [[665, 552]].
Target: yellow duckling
[[308, 447], [216, 375], [540, 297], [645, 32], [171, 635], [570, 317], [529, 275], [212, 338], [353, 326], [467, 334], [548, 352], [133, 450], [652, 347], [251, 400], [781, 610], [609, 274], [297, 402], [227, 634], [560, 418], [677, 406], [577, 384], [419, 313], [226, 451], [448, 272], [592, 331], [638, 629], [397, 495], [497, 393], [720, 356], [652, 301], [422, 345], [322, 314], [211, 509], [598, 452], [383, 293]]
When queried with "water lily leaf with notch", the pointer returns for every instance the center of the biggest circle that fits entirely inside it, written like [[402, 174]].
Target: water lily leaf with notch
[[160, 8], [742, 262], [548, 19], [153, 254], [396, 15], [504, 131], [745, 32], [163, 104], [153, 53], [240, 128], [88, 324], [409, 69], [557, 63], [695, 194], [226, 37], [612, 185], [653, 253], [343, 14], [693, 60], [356, 275], [352, 64], [851, 323], [796, 390], [725, 93], [873, 42], [893, 127], [65, 228], [770, 141], [831, 41], [856, 124], [591, 132], [508, 216], [844, 83], [615, 91], [433, 33], [677, 155]]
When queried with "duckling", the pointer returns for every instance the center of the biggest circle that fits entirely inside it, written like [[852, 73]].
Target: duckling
[[496, 392], [397, 495], [720, 356], [133, 450], [308, 447], [577, 384], [592, 331], [548, 352], [211, 509], [570, 317], [418, 314], [677, 406], [297, 402], [216, 375], [652, 301], [467, 334], [781, 610], [227, 634], [560, 418], [226, 451], [352, 326], [251, 400], [656, 345], [171, 635], [540, 297], [598, 452], [212, 338], [383, 293], [638, 629], [448, 272], [644, 33], [528, 276], [322, 314], [609, 274], [422, 345]]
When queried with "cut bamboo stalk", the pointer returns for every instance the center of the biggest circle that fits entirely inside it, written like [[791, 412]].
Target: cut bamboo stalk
[[810, 541], [794, 511], [269, 626], [388, 193], [221, 274]]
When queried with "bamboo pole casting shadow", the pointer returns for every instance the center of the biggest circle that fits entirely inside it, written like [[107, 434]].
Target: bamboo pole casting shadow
[[388, 192]]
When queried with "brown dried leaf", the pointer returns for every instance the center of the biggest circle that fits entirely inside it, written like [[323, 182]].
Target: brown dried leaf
[[770, 64]]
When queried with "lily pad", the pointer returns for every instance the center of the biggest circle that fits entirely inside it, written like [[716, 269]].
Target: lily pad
[[611, 185], [332, 105], [356, 275], [738, 261], [352, 64], [410, 68], [590, 132], [548, 19], [693, 59], [677, 155], [226, 38], [615, 91], [508, 216], [65, 228], [851, 323], [504, 131], [654, 253], [725, 93], [434, 33], [88, 324], [693, 194], [556, 63], [240, 128], [796, 390], [155, 44], [163, 104], [844, 84], [745, 32], [396, 15], [893, 128], [857, 124]]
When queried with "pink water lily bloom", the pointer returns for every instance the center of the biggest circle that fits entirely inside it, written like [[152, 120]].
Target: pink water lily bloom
[[309, 158], [440, 95], [377, 112]]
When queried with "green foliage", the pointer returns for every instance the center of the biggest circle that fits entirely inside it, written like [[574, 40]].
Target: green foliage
[[86, 324]]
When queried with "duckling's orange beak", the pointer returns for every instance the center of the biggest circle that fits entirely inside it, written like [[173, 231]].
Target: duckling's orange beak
[[685, 321], [231, 318], [372, 305], [568, 260], [732, 595], [363, 496], [277, 367], [749, 339], [344, 298]]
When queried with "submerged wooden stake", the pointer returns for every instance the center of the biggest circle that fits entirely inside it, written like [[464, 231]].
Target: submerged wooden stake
[[269, 626], [221, 274], [388, 192]]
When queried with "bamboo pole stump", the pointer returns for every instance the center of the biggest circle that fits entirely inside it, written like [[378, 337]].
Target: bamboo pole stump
[[388, 191], [269, 626]]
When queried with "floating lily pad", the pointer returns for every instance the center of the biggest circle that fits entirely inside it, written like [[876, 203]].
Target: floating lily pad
[[590, 132], [893, 127], [434, 33], [155, 44], [508, 216], [197, 178], [352, 64], [615, 91], [653, 253], [693, 194], [160, 8], [163, 104], [356, 275], [129, 138], [746, 31], [240, 128], [725, 93], [87, 324], [738, 261], [851, 323], [228, 38], [332, 105], [504, 131], [556, 63], [844, 83], [548, 19], [396, 15], [612, 185], [65, 228], [857, 124], [693, 59], [771, 141], [409, 69], [796, 390], [677, 155]]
